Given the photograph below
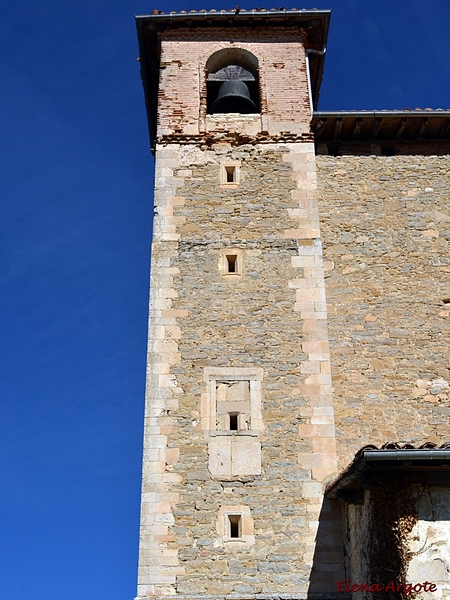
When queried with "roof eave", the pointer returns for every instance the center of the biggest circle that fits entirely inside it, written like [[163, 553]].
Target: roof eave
[[360, 114], [385, 460]]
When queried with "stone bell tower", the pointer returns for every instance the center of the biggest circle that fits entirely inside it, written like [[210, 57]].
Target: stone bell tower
[[239, 426]]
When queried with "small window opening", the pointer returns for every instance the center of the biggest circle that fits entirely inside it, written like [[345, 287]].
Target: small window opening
[[231, 174], [231, 263], [234, 421], [235, 526]]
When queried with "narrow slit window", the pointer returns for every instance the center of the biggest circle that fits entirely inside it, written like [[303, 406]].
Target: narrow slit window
[[234, 417], [235, 526], [230, 174], [231, 263]]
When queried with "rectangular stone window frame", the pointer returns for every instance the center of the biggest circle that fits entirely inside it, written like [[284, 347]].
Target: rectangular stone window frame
[[246, 528], [230, 262], [230, 174], [213, 375]]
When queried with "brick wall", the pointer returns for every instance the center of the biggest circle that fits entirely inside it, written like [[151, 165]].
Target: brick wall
[[282, 72]]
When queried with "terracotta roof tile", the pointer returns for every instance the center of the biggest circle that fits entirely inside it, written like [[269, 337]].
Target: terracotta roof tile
[[230, 10], [354, 466]]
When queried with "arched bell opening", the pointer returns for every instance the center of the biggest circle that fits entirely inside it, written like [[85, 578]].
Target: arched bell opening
[[232, 82]]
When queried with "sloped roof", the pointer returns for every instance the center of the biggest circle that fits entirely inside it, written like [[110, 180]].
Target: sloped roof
[[381, 125], [428, 463]]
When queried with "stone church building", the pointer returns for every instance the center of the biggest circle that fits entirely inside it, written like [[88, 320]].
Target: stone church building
[[297, 414]]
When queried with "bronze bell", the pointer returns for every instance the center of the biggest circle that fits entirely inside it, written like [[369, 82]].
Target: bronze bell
[[233, 97]]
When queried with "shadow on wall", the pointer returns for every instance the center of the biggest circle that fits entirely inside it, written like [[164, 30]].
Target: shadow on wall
[[328, 561]]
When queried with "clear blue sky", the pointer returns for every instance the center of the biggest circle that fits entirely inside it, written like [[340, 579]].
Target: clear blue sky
[[76, 206]]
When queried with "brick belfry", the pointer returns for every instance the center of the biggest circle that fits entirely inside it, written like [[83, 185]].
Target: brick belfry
[[240, 443]]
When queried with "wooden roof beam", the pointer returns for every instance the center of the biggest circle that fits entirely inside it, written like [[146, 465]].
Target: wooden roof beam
[[445, 129], [401, 129], [357, 129], [337, 129], [423, 129], [376, 127], [321, 124]]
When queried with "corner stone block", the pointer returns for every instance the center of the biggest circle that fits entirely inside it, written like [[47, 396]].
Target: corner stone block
[[219, 451], [246, 456], [324, 431], [312, 489]]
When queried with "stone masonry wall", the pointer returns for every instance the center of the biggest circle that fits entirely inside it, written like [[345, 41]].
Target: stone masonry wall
[[272, 319], [385, 226]]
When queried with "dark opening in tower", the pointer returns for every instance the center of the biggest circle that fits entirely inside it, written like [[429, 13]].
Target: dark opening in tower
[[234, 421], [235, 526], [232, 82]]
